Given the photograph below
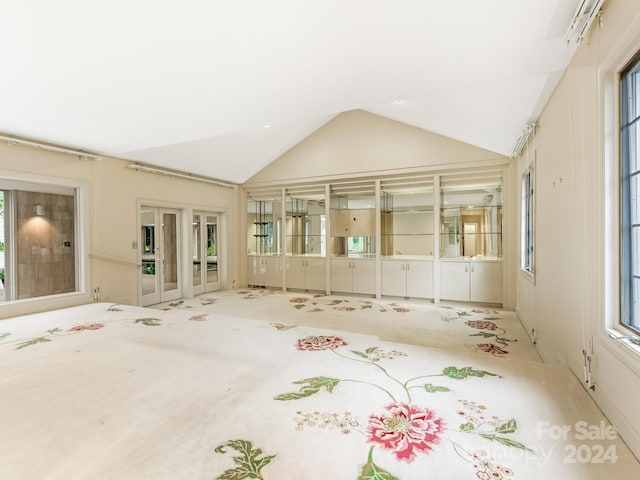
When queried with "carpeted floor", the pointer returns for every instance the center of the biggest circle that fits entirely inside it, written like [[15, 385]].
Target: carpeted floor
[[488, 331], [235, 385]]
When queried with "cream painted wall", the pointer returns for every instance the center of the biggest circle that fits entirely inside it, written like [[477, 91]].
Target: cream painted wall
[[358, 142], [110, 198], [573, 148]]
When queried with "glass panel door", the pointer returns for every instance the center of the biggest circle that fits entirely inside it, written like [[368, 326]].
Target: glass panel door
[[170, 287], [159, 258], [212, 254], [149, 259], [196, 226], [206, 255]]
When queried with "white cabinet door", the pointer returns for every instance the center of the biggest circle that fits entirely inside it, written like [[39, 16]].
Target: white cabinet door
[[485, 282], [364, 276], [394, 278], [341, 278], [273, 271], [454, 281], [419, 279], [256, 271], [296, 273], [315, 274]]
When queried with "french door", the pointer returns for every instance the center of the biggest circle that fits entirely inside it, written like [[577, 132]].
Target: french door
[[206, 253], [160, 244]]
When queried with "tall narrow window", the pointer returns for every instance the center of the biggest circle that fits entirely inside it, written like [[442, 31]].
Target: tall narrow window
[[629, 191], [527, 239]]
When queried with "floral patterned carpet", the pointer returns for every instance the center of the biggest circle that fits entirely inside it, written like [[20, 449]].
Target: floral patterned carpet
[[490, 331], [107, 391]]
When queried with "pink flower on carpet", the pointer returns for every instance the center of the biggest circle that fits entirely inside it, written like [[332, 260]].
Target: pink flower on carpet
[[319, 342], [406, 430], [401, 309], [346, 309], [299, 300], [487, 470], [88, 326], [481, 324], [491, 348]]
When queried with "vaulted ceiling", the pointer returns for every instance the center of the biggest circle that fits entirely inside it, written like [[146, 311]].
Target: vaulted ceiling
[[221, 88]]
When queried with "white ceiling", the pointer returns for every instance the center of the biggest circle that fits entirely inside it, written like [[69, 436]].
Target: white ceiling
[[191, 84]]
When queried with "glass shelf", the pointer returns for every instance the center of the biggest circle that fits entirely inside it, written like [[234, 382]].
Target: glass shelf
[[305, 226], [407, 223]]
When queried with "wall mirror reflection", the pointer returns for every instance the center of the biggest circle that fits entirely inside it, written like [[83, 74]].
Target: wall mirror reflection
[[471, 217], [263, 233], [407, 223], [353, 223], [305, 226]]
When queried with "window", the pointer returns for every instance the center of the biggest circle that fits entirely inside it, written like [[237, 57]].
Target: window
[[38, 240], [629, 191], [527, 238]]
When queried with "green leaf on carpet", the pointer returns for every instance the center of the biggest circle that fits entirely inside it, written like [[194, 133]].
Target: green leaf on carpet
[[431, 388], [462, 373], [509, 426], [371, 471], [249, 463], [467, 427], [114, 308], [28, 343], [505, 441], [310, 386], [150, 322], [360, 354]]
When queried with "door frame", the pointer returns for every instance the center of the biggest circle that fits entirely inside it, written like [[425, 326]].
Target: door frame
[[160, 295], [204, 286]]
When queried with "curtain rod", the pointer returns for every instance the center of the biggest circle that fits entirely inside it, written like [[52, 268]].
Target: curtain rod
[[51, 148], [144, 168]]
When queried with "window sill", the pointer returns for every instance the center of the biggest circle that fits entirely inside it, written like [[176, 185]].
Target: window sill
[[528, 275], [620, 345]]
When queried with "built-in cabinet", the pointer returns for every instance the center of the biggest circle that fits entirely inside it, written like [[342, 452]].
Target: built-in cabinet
[[407, 278], [306, 273], [264, 271], [422, 236], [353, 275], [471, 281]]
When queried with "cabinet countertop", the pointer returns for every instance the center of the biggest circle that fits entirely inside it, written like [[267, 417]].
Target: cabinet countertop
[[472, 259]]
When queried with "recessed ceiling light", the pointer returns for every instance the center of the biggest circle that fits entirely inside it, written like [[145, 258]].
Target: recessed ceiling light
[[267, 126]]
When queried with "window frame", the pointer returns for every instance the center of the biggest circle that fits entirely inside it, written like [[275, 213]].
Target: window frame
[[13, 181], [629, 98], [527, 221]]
